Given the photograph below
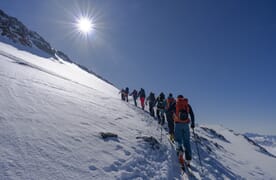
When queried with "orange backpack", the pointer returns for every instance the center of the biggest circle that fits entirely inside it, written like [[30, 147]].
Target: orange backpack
[[182, 110]]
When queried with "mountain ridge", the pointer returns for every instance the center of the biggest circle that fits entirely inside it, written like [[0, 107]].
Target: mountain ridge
[[268, 142], [17, 33]]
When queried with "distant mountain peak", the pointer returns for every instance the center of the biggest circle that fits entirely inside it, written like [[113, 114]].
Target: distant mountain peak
[[17, 32]]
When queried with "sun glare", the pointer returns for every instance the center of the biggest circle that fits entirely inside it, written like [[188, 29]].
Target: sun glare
[[85, 25]]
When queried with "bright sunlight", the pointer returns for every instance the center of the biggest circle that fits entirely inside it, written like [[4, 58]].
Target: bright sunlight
[[85, 25]]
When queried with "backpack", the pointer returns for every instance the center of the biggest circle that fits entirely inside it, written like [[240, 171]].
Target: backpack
[[161, 103], [170, 101], [142, 93], [182, 109], [151, 97]]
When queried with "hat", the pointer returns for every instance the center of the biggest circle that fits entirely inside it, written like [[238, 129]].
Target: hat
[[180, 96]]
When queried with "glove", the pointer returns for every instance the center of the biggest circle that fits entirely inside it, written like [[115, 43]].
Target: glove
[[192, 125]]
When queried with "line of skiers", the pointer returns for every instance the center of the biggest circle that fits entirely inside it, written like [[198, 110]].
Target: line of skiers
[[135, 94], [179, 116]]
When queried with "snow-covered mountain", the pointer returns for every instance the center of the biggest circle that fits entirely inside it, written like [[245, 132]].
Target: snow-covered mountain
[[266, 141], [17, 34], [54, 116]]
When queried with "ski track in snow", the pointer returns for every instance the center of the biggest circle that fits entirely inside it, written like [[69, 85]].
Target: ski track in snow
[[51, 116]]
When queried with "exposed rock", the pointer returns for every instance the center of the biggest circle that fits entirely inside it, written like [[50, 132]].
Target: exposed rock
[[106, 135]]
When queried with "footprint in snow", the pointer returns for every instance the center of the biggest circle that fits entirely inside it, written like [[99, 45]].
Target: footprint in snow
[[112, 167], [84, 123], [122, 160], [76, 139], [92, 168], [129, 115], [119, 147], [127, 153]]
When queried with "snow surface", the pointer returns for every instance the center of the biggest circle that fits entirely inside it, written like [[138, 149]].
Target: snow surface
[[52, 114], [271, 149], [266, 141], [237, 155]]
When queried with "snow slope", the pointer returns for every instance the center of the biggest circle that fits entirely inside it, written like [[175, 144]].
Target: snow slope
[[230, 155], [266, 141], [52, 114]]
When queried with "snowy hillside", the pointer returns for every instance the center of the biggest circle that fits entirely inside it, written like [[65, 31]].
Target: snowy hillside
[[52, 114], [232, 156], [17, 34], [266, 141]]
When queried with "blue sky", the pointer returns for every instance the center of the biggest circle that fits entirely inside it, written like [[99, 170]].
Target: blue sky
[[219, 54]]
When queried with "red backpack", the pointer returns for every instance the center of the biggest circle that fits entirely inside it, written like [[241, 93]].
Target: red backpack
[[182, 109]]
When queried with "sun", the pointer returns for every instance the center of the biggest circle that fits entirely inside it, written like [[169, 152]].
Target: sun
[[85, 25]]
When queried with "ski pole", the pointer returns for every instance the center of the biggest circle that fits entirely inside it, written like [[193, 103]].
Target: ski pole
[[198, 151], [161, 132]]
